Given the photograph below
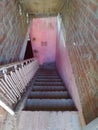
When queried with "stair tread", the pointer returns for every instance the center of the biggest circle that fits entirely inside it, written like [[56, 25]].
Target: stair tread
[[49, 104], [47, 80], [50, 76], [49, 83], [49, 73], [49, 94], [48, 88]]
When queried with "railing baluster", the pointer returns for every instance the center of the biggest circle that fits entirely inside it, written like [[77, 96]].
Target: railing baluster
[[6, 88], [13, 86], [20, 78], [4, 93], [17, 82], [14, 80], [22, 75], [24, 72], [6, 78]]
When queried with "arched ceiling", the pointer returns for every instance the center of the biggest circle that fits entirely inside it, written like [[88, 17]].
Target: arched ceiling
[[42, 7]]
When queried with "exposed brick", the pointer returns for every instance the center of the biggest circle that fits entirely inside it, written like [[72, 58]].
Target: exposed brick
[[12, 29], [95, 22], [96, 33], [91, 39], [84, 55], [91, 27], [93, 6], [1, 16], [2, 37], [1, 4]]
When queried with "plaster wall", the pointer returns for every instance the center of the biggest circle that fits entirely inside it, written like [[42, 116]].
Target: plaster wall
[[43, 39]]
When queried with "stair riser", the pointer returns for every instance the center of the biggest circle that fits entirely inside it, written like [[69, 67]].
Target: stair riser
[[48, 77], [32, 108], [48, 80], [49, 72], [49, 84], [49, 95], [48, 88], [49, 105]]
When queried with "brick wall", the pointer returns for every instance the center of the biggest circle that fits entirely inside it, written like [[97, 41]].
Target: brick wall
[[13, 28], [80, 19], [64, 67]]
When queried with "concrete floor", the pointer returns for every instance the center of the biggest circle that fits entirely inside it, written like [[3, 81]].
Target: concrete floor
[[49, 121]]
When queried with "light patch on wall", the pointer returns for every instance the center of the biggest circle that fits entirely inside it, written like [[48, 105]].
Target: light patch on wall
[[27, 15], [59, 23], [63, 40], [74, 43], [6, 107], [20, 10]]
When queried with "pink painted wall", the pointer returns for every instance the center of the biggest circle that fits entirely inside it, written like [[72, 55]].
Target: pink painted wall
[[64, 66], [65, 69], [43, 39]]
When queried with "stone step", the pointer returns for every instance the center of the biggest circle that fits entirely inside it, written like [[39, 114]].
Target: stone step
[[48, 76], [49, 105], [48, 80], [49, 95], [48, 83], [47, 71], [48, 88]]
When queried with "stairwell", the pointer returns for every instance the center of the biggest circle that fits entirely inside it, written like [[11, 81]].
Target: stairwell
[[49, 106], [49, 92]]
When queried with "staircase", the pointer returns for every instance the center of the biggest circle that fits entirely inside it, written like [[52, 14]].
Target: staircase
[[49, 92], [49, 105]]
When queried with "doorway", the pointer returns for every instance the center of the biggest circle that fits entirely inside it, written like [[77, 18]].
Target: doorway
[[28, 52]]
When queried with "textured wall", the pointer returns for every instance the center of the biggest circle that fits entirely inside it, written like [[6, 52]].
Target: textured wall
[[64, 67], [13, 28], [80, 18], [43, 38]]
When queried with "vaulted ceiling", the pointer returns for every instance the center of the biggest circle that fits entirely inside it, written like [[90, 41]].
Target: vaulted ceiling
[[42, 7]]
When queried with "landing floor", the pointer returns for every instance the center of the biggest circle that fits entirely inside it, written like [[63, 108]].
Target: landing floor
[[49, 121]]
